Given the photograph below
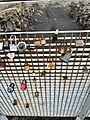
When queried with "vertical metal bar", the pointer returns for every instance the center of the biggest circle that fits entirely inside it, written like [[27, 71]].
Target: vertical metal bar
[[30, 81], [27, 88], [55, 80], [63, 88], [77, 72], [39, 81], [81, 93], [23, 75], [84, 99], [78, 91], [4, 110], [49, 78], [58, 100], [71, 79], [45, 83], [11, 82], [11, 110], [18, 89], [70, 47], [15, 83]]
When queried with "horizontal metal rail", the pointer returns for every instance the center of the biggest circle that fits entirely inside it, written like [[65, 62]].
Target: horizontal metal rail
[[45, 32]]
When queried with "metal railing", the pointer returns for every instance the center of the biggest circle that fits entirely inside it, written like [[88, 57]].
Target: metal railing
[[57, 97]]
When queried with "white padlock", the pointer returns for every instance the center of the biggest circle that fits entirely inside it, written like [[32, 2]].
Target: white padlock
[[79, 42], [1, 45], [13, 47]]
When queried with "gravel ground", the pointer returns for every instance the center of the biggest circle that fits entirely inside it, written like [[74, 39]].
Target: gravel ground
[[56, 15]]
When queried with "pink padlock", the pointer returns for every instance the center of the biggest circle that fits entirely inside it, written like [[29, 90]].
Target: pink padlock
[[23, 85]]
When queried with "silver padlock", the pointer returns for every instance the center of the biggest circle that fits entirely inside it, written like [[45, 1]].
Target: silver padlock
[[13, 47], [66, 57]]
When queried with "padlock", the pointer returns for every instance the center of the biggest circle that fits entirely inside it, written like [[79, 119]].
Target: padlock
[[66, 56], [51, 64], [79, 42], [85, 71], [26, 66], [1, 44], [37, 94], [14, 102], [2, 62], [55, 36], [39, 41], [11, 55], [10, 88], [6, 44], [23, 85], [21, 46], [43, 41], [62, 48], [13, 47], [27, 105]]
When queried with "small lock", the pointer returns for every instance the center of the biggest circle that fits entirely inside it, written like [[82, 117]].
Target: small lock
[[14, 102], [55, 36], [37, 94], [2, 62], [13, 47], [66, 57], [27, 105], [79, 42], [26, 66], [39, 41], [51, 64], [62, 48], [1, 44], [23, 85], [10, 88]]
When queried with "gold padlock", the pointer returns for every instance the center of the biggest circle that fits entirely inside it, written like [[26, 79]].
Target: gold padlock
[[62, 48], [51, 64]]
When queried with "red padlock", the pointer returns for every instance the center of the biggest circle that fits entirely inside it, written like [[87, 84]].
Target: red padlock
[[23, 85]]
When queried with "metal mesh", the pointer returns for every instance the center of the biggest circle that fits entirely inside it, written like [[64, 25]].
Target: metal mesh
[[57, 97]]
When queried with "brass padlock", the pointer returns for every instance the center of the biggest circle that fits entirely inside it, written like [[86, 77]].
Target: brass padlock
[[51, 64], [26, 66], [2, 63], [39, 41], [62, 48]]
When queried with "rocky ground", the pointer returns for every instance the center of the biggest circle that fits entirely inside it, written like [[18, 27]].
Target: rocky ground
[[42, 16]]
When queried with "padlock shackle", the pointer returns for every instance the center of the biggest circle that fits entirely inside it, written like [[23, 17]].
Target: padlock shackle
[[11, 39]]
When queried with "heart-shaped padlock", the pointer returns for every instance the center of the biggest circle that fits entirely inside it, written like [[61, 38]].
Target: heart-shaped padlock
[[10, 88], [23, 85], [11, 55]]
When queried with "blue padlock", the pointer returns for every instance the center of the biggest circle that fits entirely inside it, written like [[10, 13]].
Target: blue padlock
[[10, 88]]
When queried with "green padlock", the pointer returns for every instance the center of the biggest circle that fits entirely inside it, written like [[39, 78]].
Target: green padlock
[[55, 36]]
